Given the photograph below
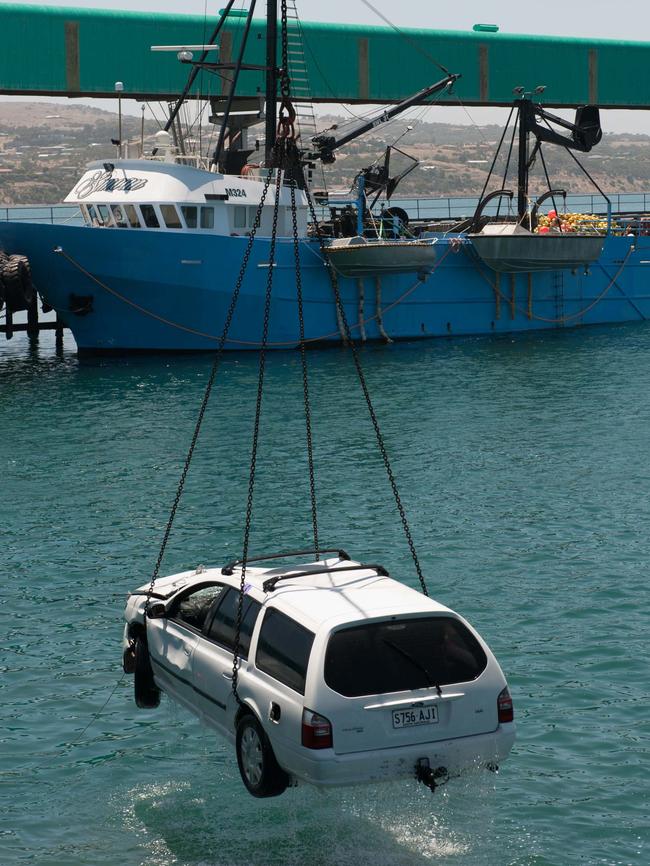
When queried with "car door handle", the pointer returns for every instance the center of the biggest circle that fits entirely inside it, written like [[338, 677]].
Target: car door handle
[[226, 676], [187, 650]]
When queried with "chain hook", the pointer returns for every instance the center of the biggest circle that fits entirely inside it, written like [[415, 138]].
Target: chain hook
[[286, 120]]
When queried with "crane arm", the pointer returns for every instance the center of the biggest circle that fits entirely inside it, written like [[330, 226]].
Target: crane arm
[[326, 144]]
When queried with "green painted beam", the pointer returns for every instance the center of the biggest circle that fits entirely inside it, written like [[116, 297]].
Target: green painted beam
[[81, 52]]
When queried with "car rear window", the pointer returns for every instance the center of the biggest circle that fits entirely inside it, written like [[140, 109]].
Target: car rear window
[[283, 650], [402, 655]]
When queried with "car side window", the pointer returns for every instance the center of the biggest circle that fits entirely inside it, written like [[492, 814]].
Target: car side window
[[192, 608], [283, 650], [222, 628]]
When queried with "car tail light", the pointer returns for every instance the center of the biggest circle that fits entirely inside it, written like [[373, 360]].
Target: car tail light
[[505, 706], [316, 730]]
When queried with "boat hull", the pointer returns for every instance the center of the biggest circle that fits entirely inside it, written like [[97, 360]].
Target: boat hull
[[120, 290]]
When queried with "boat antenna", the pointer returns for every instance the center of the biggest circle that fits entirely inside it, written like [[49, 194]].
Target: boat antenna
[[195, 71], [401, 33]]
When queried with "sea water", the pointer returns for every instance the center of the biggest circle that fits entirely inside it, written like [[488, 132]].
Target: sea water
[[523, 466]]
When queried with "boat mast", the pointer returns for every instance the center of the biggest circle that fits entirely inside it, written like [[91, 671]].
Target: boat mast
[[216, 156], [271, 77], [522, 166]]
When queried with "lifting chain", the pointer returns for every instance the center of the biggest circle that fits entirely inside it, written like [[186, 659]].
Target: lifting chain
[[287, 113], [366, 393], [279, 149], [294, 175], [206, 397]]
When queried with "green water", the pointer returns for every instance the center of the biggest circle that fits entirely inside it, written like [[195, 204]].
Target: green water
[[524, 468]]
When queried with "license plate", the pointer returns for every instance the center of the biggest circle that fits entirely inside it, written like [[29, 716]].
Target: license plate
[[415, 716]]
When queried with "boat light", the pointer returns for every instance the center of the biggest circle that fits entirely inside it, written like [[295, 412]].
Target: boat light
[[185, 47]]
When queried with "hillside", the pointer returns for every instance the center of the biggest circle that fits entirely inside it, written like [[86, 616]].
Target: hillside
[[44, 146]]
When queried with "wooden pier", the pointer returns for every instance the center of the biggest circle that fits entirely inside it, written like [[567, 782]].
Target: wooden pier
[[33, 326]]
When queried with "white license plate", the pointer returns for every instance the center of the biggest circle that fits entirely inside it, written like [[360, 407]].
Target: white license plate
[[415, 716]]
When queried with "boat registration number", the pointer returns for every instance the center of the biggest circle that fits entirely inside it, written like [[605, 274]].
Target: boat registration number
[[415, 716]]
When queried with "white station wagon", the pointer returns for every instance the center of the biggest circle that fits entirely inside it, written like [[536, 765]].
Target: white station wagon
[[345, 676]]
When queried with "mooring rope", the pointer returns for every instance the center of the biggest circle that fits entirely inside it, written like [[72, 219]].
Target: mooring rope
[[250, 343]]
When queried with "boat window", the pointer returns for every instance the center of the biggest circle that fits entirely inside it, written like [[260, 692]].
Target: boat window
[[251, 216], [170, 215], [104, 215], [118, 216], [85, 214], [283, 650], [192, 608], [239, 216], [132, 216], [222, 628], [94, 215], [402, 655], [149, 216], [189, 213], [207, 217]]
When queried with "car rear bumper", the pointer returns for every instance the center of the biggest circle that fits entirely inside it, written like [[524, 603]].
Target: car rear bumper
[[325, 768]]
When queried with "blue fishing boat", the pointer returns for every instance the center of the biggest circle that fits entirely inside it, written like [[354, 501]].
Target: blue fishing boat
[[155, 262]]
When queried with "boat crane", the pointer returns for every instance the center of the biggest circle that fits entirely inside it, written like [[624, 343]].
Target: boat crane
[[515, 246], [326, 144]]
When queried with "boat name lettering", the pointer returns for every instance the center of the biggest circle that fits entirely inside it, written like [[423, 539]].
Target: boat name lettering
[[103, 181], [236, 192]]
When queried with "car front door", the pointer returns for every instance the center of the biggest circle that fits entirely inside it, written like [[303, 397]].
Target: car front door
[[172, 640]]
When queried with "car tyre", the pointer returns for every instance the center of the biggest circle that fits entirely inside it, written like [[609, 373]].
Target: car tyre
[[146, 692], [260, 772]]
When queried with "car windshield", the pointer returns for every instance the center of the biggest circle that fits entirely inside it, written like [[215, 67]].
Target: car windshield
[[402, 655]]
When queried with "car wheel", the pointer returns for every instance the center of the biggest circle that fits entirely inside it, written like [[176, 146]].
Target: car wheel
[[146, 692], [259, 770]]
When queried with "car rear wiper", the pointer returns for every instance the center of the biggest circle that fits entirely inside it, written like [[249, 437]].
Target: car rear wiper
[[418, 664]]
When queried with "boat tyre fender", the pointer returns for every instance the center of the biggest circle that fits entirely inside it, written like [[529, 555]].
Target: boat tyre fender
[[145, 691], [260, 772], [18, 286], [3, 260]]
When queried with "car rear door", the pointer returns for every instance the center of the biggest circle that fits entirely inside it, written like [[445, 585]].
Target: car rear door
[[406, 681], [277, 681]]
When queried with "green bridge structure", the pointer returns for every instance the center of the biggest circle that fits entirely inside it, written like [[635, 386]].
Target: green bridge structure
[[64, 51]]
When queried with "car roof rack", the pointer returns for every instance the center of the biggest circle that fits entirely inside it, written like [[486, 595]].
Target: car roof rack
[[269, 585], [231, 566]]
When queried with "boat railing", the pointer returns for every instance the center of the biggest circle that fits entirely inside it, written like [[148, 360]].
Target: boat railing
[[458, 208], [52, 214], [195, 160], [624, 206]]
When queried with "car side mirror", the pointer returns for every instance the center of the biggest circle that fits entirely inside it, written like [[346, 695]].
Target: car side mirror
[[156, 611]]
